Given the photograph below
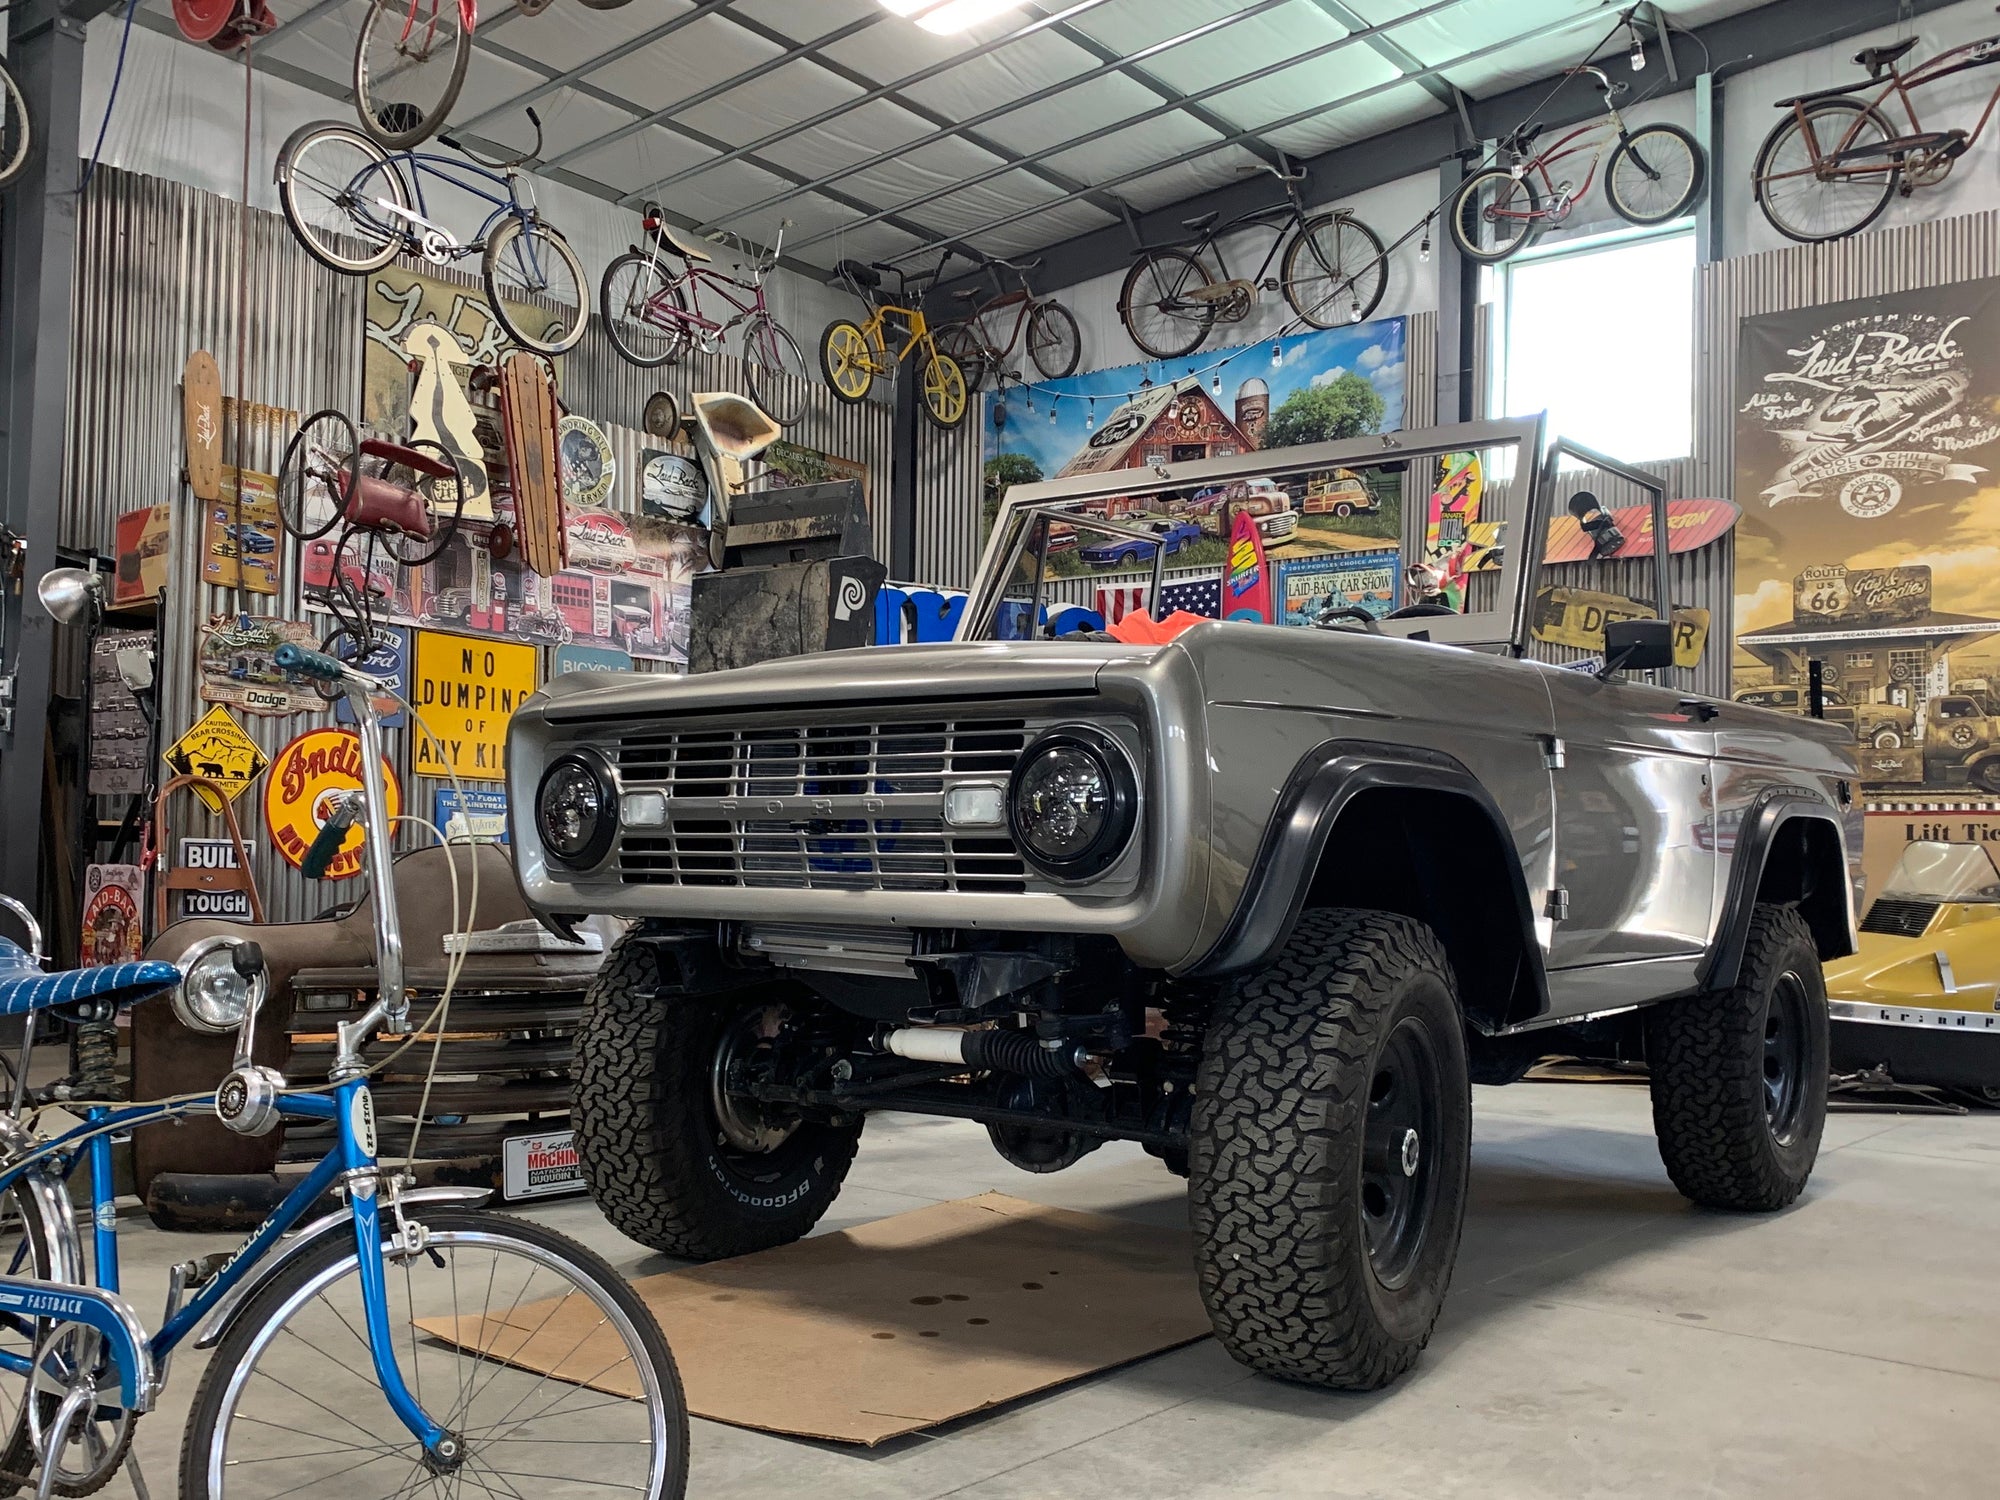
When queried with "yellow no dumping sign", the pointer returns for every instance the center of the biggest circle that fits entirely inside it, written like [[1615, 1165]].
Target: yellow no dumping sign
[[467, 690]]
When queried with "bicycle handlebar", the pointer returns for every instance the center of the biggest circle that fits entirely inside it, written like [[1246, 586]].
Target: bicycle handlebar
[[309, 663], [1602, 78], [501, 163]]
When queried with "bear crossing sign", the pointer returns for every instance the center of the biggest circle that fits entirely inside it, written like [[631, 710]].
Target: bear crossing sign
[[467, 690]]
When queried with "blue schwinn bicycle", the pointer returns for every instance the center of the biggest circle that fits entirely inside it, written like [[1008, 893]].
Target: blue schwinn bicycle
[[356, 207], [404, 1343]]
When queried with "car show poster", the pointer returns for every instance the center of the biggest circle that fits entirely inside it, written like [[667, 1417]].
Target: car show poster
[[236, 655], [1867, 440], [1324, 385], [119, 733], [1312, 587]]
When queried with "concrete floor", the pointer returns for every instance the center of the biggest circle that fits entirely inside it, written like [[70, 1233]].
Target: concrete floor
[[1602, 1336]]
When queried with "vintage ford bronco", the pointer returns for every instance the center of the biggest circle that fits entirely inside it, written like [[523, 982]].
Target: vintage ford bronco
[[1262, 900]]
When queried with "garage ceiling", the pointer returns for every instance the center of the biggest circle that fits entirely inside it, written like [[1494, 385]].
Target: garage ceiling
[[880, 139]]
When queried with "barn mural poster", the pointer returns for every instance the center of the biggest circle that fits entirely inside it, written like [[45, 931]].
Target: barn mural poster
[[1868, 470], [1321, 386]]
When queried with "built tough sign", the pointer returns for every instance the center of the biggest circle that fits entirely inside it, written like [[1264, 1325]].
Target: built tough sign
[[467, 690]]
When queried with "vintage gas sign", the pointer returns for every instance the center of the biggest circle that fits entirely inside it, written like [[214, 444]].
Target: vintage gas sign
[[467, 690], [306, 776], [1835, 594], [216, 748]]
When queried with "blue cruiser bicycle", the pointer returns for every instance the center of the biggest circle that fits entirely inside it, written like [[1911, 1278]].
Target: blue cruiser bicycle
[[404, 1343]]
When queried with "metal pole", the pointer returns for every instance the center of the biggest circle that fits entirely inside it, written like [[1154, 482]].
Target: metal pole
[[37, 263], [902, 559]]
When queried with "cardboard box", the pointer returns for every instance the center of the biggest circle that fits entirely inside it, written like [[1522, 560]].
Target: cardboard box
[[143, 539]]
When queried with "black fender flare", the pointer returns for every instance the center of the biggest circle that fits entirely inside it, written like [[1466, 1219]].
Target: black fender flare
[[1325, 781], [1767, 817]]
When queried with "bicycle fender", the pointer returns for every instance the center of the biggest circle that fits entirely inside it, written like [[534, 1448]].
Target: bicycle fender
[[107, 1314], [308, 1237]]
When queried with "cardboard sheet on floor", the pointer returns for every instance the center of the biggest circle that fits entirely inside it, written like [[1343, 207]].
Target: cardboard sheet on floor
[[890, 1327]]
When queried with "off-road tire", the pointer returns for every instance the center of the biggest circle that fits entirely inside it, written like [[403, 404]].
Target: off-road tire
[[646, 1135], [1707, 1057], [1276, 1180]]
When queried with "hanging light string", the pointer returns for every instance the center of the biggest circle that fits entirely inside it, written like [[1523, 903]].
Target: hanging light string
[[1300, 322]]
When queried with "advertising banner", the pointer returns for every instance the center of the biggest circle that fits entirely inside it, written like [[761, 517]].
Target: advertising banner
[[1309, 587]]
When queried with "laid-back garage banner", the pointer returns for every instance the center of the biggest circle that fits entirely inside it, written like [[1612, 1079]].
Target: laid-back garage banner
[[1868, 470]]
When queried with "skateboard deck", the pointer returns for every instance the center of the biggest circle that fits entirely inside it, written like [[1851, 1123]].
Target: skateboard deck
[[441, 413], [201, 416], [528, 420], [1690, 524], [1449, 545]]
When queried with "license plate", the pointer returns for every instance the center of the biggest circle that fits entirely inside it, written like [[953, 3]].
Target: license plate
[[540, 1166]]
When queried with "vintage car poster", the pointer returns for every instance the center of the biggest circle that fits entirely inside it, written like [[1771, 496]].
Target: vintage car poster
[[239, 541], [305, 778], [235, 655], [1310, 588], [1867, 443], [112, 930], [1323, 385], [466, 691]]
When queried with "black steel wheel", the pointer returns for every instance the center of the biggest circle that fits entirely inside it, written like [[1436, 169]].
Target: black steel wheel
[[1399, 1177]]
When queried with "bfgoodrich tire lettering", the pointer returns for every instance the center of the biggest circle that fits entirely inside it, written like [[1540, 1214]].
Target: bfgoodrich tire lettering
[[1739, 1076], [1291, 1078], [653, 1153]]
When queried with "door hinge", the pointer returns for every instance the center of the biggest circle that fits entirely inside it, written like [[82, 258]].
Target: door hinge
[[1557, 909], [1552, 752]]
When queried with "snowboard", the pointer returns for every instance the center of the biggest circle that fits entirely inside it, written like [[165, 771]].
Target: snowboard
[[1691, 524]]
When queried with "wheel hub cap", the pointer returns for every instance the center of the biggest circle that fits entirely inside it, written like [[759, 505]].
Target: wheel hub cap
[[744, 1123], [1411, 1153], [1399, 1183]]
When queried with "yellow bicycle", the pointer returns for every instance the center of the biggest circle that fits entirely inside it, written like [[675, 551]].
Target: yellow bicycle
[[852, 354]]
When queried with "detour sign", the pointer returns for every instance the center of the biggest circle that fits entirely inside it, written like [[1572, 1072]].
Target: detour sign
[[467, 690]]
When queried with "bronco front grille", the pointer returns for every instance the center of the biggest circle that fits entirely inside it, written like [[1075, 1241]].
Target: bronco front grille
[[852, 806], [1899, 918]]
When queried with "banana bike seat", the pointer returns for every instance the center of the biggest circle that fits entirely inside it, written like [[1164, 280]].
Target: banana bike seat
[[25, 987]]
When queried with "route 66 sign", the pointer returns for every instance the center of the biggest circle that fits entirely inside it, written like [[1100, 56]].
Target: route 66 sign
[[1821, 590]]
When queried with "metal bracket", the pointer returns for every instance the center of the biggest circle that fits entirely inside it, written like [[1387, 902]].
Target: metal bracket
[[1557, 908], [7, 704], [1553, 756]]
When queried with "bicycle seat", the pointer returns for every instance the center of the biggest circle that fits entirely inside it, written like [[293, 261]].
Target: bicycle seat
[[1875, 59], [969, 293], [1522, 139], [859, 273], [1202, 221], [680, 246], [408, 458], [25, 987]]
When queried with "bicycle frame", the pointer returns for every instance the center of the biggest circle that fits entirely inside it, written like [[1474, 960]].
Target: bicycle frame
[[1953, 60], [1601, 132], [1282, 219], [694, 276], [468, 177]]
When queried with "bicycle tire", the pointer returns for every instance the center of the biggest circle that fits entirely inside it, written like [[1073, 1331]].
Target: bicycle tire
[[777, 385], [1647, 146], [17, 132], [296, 1291], [841, 345], [961, 341], [1465, 207], [320, 243], [1058, 354], [445, 515], [1358, 290], [946, 397], [673, 335], [293, 512], [556, 338], [1195, 321], [1851, 223], [378, 114]]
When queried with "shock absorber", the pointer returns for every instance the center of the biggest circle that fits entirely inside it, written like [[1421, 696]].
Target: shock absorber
[[991, 1051], [96, 1053]]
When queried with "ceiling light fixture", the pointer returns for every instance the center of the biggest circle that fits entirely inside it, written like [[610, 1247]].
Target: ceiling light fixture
[[953, 16]]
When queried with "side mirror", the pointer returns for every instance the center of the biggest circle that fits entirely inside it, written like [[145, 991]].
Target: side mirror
[[1637, 646]]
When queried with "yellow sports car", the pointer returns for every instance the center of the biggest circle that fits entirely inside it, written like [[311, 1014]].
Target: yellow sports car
[[1921, 997]]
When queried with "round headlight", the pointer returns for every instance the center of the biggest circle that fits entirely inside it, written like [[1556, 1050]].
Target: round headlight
[[574, 811], [214, 995], [1073, 802]]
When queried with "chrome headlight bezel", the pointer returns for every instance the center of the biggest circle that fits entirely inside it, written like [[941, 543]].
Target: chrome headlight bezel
[[213, 997], [605, 788], [1121, 784]]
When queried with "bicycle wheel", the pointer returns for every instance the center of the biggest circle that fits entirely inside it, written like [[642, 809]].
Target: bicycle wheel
[[962, 342], [290, 1406], [530, 265], [17, 135], [444, 502], [333, 184], [847, 361], [1655, 174], [1805, 203], [1335, 270], [945, 395], [26, 1250], [774, 369], [322, 465], [1053, 341], [639, 304], [1493, 215], [1158, 307], [409, 64]]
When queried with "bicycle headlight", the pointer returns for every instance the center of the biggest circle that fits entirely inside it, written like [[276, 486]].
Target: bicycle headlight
[[1073, 803], [222, 979], [575, 812]]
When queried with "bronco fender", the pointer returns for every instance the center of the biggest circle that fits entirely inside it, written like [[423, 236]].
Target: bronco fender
[[1789, 848], [1322, 786]]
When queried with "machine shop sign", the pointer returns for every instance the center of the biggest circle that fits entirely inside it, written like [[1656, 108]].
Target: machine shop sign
[[1865, 404], [1835, 595]]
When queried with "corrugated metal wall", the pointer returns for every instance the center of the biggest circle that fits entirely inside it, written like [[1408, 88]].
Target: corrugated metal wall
[[157, 278]]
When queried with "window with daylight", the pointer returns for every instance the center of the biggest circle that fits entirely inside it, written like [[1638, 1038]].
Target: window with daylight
[[1602, 337]]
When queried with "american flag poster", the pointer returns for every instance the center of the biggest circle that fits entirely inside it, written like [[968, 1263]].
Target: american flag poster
[[1118, 601], [1198, 596]]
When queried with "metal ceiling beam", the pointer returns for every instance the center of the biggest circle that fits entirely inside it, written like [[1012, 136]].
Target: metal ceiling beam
[[1398, 57], [1326, 49], [957, 59], [1779, 29], [1119, 63], [1027, 101]]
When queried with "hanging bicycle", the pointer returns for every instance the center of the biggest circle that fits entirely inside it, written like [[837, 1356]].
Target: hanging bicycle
[[651, 302], [852, 354], [1053, 343], [1654, 175], [356, 207], [1333, 270]]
